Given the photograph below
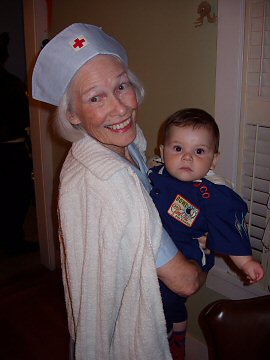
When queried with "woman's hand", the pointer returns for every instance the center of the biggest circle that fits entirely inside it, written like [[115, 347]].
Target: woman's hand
[[202, 243]]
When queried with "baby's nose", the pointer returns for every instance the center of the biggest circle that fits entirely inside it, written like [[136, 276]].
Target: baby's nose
[[187, 155]]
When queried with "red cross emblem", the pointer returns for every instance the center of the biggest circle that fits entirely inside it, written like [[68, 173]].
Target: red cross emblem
[[78, 43]]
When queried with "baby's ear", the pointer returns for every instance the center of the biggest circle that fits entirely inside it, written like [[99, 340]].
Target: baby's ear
[[161, 148], [215, 160]]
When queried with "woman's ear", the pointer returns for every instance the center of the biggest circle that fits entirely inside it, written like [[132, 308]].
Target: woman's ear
[[215, 160], [161, 148], [73, 118]]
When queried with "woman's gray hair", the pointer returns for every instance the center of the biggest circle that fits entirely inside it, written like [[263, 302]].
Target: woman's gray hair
[[74, 133]]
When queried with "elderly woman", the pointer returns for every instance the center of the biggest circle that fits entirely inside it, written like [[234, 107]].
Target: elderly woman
[[112, 242]]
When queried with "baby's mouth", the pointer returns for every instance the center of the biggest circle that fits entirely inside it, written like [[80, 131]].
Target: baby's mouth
[[186, 169]]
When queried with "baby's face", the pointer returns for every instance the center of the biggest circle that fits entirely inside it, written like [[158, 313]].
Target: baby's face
[[189, 153]]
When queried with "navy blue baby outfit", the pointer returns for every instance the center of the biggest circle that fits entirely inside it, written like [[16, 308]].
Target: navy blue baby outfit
[[190, 209]]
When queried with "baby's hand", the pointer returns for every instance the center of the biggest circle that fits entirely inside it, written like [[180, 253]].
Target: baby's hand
[[253, 270]]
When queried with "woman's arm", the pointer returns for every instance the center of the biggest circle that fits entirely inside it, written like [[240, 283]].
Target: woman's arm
[[182, 276]]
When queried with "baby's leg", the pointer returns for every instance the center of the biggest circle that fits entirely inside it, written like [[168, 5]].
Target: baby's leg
[[177, 340]]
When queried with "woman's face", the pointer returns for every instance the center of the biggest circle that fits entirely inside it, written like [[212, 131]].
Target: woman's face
[[104, 102]]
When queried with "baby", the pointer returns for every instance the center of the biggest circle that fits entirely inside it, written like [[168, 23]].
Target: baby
[[190, 206]]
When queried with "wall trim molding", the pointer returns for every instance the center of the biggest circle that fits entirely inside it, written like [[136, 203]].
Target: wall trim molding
[[230, 43]]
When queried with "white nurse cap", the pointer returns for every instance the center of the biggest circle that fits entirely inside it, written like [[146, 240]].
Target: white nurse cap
[[63, 56]]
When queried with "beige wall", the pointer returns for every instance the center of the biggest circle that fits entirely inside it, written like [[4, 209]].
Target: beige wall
[[174, 60]]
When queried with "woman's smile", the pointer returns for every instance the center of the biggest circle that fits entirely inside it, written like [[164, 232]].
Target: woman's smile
[[121, 127]]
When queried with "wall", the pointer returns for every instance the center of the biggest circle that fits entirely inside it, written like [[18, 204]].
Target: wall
[[175, 61]]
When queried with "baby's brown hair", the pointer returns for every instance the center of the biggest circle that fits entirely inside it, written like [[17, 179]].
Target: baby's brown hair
[[195, 118]]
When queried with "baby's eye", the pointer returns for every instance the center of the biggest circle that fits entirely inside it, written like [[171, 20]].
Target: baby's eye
[[200, 151], [178, 148]]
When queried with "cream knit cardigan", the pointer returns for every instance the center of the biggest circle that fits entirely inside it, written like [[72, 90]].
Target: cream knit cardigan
[[109, 237]]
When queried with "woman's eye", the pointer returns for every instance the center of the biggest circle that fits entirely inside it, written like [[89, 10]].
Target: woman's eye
[[123, 86], [94, 99], [199, 151], [178, 148]]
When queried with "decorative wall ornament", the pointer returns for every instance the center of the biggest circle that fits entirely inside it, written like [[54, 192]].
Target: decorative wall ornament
[[204, 10]]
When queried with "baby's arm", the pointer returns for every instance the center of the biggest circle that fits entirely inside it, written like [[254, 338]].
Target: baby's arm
[[251, 268]]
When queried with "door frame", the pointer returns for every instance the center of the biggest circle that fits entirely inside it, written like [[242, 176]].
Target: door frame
[[36, 30]]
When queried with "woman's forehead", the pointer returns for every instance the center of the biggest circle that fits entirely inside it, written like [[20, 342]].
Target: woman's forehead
[[99, 68]]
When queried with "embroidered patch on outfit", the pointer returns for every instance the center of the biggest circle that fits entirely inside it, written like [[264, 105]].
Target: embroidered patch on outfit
[[183, 210]]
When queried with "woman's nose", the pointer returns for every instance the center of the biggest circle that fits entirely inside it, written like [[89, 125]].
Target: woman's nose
[[118, 107]]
